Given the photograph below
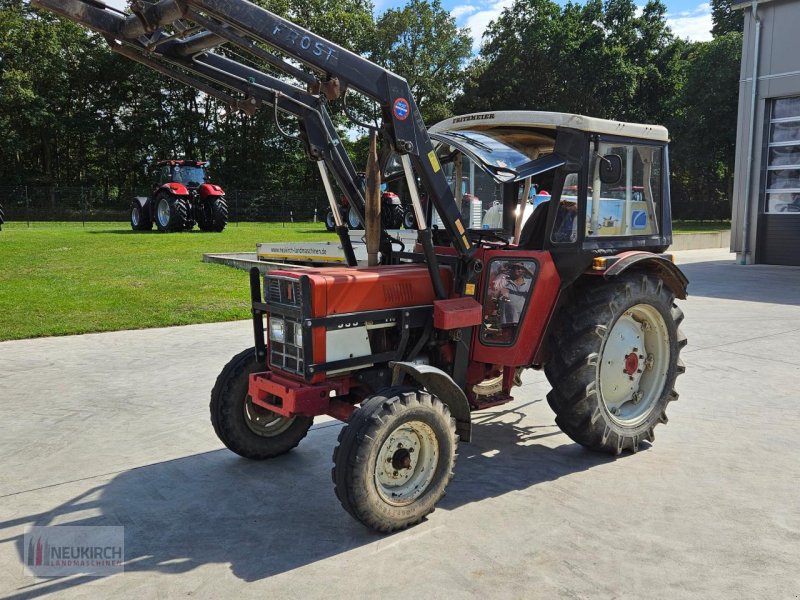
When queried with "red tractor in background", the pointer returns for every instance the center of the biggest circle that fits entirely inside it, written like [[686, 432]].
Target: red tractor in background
[[182, 196]]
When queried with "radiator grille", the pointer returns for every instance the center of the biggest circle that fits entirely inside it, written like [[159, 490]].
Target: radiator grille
[[284, 291]]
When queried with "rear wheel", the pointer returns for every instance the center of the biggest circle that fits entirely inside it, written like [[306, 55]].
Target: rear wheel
[[392, 216], [395, 458], [172, 213], [213, 214], [615, 361], [244, 427]]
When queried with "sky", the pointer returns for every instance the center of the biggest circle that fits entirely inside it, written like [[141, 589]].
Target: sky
[[688, 19]]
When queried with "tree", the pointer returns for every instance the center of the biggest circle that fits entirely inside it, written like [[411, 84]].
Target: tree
[[704, 125], [724, 18], [422, 43]]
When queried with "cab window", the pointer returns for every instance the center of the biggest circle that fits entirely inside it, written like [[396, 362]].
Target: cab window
[[510, 284], [628, 206]]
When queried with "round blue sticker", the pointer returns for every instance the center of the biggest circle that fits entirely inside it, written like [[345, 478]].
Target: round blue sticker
[[401, 109]]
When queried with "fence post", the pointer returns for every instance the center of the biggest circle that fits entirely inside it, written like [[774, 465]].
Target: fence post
[[83, 208], [236, 202], [27, 207]]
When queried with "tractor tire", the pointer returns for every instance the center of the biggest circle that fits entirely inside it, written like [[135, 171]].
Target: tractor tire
[[392, 216], [172, 212], [140, 219], [330, 222], [394, 458], [245, 428], [353, 222], [409, 218], [2, 217], [615, 358], [213, 216]]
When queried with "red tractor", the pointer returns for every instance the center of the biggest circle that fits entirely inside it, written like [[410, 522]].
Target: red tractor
[[182, 196], [405, 350]]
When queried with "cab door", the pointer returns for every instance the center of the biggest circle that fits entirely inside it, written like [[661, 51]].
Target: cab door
[[518, 293]]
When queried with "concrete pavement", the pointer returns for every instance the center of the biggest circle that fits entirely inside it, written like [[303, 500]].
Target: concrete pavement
[[112, 429]]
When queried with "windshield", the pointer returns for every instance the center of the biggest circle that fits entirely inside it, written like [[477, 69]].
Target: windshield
[[188, 175], [501, 150]]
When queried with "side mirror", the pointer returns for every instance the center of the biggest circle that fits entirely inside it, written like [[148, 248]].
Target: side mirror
[[610, 169]]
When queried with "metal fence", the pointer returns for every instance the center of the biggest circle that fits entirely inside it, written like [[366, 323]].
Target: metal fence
[[40, 203]]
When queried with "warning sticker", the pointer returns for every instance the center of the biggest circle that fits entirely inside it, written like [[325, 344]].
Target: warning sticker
[[434, 161], [401, 109]]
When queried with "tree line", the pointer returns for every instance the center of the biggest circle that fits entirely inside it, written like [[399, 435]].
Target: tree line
[[74, 113]]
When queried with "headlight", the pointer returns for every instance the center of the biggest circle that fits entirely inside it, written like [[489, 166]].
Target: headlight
[[276, 330], [298, 335]]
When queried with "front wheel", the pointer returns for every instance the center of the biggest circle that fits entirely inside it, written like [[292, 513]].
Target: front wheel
[[352, 219], [140, 220], [409, 219], [395, 458], [330, 222], [246, 428], [615, 358]]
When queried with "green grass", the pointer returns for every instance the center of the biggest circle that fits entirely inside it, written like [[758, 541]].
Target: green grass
[[62, 278], [700, 226]]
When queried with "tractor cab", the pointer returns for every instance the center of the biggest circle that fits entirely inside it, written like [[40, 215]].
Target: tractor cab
[[190, 173], [553, 181]]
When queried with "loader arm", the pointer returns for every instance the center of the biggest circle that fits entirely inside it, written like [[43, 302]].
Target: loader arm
[[242, 24]]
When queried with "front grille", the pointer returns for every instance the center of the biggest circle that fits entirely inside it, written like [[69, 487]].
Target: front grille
[[283, 291], [287, 356]]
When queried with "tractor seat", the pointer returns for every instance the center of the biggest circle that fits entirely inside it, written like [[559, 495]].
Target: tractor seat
[[533, 232]]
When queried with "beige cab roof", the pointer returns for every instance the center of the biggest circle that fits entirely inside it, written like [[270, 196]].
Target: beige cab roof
[[551, 120]]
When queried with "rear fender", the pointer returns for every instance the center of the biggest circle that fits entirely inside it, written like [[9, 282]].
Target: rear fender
[[441, 385], [661, 264], [208, 190]]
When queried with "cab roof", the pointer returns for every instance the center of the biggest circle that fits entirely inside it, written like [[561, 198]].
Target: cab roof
[[551, 120]]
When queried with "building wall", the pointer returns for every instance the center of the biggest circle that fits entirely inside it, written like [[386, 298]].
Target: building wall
[[772, 236]]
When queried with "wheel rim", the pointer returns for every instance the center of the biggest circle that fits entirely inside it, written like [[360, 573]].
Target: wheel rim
[[330, 221], [135, 216], [406, 463], [408, 220], [634, 364], [353, 220], [163, 212], [263, 421]]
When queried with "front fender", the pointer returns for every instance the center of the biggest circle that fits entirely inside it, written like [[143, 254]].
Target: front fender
[[175, 188], [662, 264], [441, 385]]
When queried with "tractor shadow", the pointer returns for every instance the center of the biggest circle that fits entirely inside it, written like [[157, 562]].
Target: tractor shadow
[[268, 518]]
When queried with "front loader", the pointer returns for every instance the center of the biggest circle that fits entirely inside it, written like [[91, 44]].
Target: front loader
[[403, 351]]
